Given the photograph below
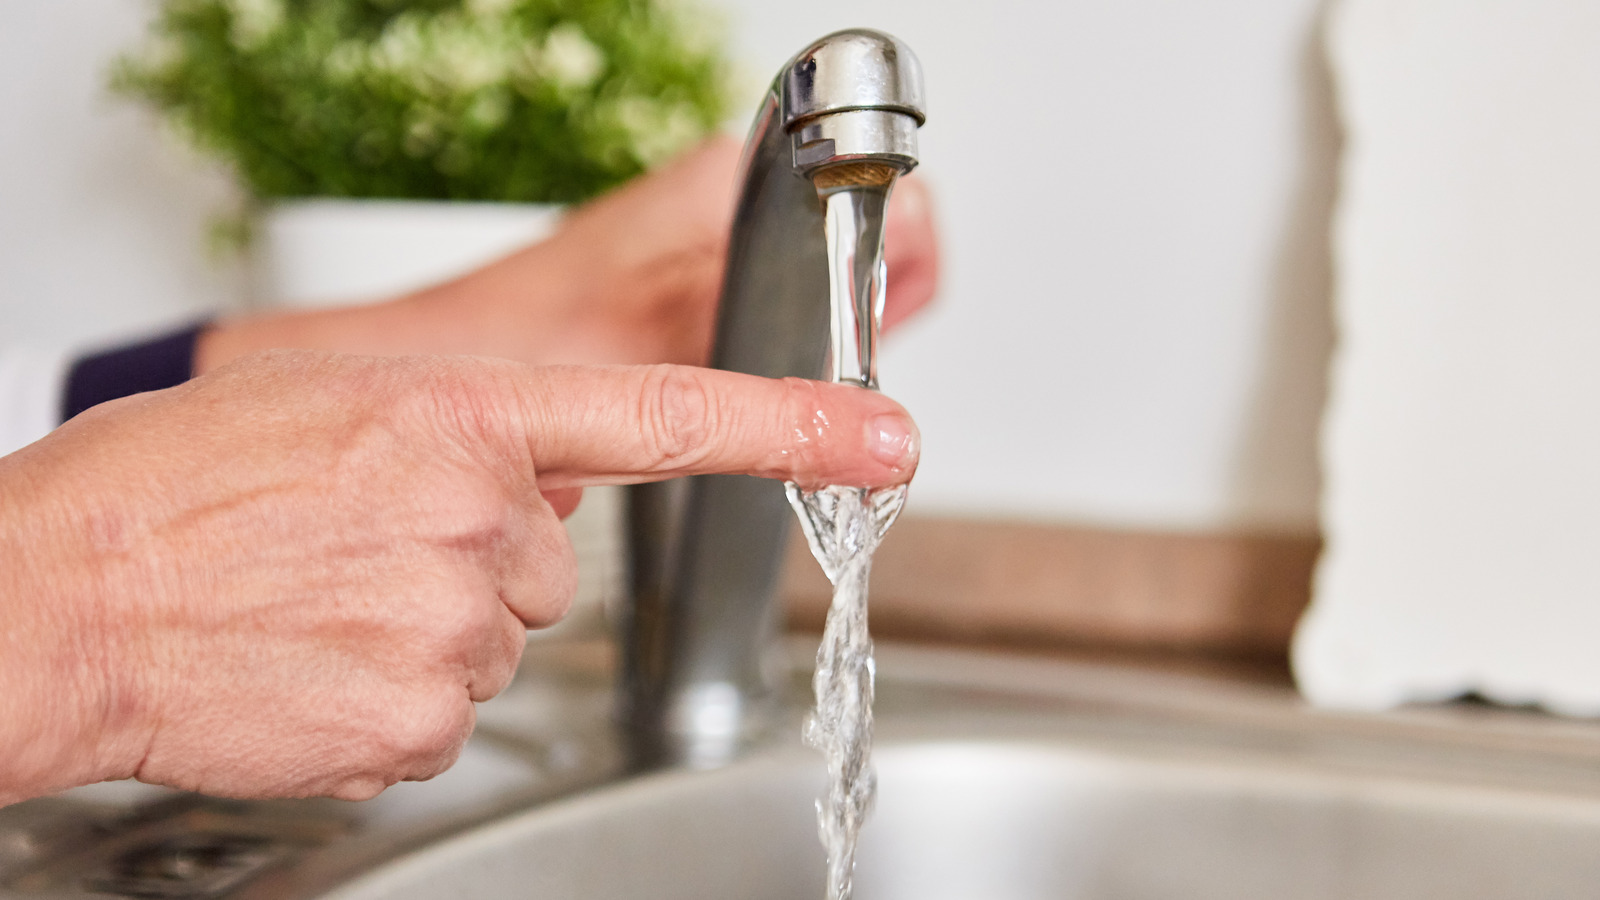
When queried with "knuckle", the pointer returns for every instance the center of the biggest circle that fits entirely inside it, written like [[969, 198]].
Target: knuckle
[[806, 421], [539, 573], [678, 414], [498, 671], [462, 622], [563, 581], [513, 638], [564, 586], [559, 586], [462, 401], [449, 390], [429, 740], [470, 513]]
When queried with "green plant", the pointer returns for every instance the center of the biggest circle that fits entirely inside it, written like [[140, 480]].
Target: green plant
[[513, 100]]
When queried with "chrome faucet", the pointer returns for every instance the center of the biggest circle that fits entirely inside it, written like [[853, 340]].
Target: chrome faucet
[[701, 659]]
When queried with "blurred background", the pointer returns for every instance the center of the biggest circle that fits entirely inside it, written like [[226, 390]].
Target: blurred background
[[1265, 349], [1122, 385], [1134, 198]]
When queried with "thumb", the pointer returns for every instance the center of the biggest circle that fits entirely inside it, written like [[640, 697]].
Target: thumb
[[588, 425]]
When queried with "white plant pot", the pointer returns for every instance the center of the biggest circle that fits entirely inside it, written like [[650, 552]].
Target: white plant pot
[[319, 253], [324, 252]]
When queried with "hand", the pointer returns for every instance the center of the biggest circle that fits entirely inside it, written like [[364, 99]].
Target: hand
[[632, 277], [294, 576]]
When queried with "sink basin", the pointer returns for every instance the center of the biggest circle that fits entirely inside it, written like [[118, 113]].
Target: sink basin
[[1000, 778], [1009, 779], [1025, 821]]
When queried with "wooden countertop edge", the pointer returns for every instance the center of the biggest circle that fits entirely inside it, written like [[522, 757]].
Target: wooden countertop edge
[[1011, 583]]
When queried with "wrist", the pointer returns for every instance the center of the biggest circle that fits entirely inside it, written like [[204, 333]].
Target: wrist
[[65, 723]]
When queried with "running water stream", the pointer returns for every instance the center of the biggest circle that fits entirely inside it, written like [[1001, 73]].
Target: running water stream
[[843, 525]]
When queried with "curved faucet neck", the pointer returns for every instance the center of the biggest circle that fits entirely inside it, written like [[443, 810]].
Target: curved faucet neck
[[700, 650]]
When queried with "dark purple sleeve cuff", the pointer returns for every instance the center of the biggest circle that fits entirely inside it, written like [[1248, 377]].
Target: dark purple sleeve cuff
[[163, 362]]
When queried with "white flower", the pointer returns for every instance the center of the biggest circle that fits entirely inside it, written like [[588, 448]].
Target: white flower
[[448, 53], [423, 134], [570, 59], [468, 57], [490, 8], [699, 28], [346, 60], [489, 110], [401, 48], [163, 51], [657, 130], [254, 21]]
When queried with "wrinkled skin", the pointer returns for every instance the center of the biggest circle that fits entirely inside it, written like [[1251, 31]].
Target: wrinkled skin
[[295, 575]]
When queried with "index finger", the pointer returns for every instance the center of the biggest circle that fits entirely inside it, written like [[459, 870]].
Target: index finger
[[590, 425]]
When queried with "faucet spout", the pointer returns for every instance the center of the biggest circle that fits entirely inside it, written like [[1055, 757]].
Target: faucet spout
[[700, 655]]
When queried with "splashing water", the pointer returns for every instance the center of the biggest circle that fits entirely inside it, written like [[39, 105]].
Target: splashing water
[[843, 525]]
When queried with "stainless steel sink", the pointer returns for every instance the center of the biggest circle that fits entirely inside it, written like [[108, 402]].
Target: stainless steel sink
[[1000, 778], [1021, 820]]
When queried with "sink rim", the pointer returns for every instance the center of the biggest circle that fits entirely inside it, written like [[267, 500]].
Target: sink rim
[[1142, 713], [1116, 769], [1171, 725]]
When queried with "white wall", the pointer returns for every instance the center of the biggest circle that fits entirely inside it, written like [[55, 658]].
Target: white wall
[[1134, 196], [102, 222]]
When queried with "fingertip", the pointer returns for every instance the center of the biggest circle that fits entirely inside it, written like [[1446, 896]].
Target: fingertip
[[910, 198], [911, 289], [911, 248], [847, 435], [893, 440]]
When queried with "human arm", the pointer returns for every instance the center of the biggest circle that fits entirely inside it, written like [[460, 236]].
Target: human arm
[[294, 576], [631, 277]]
